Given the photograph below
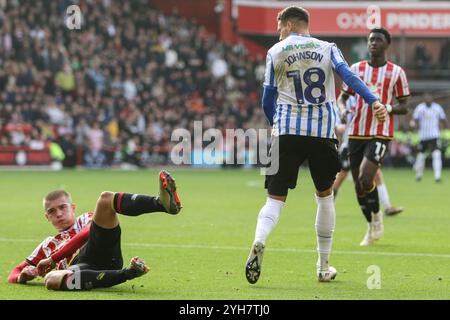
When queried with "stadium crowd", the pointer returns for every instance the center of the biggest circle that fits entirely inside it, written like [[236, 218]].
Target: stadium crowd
[[120, 85], [114, 91]]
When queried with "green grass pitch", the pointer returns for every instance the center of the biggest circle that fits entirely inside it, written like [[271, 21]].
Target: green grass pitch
[[201, 253]]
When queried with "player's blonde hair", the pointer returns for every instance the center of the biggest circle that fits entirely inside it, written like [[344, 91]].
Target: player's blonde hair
[[56, 194]]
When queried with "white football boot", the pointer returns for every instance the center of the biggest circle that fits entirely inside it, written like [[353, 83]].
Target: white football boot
[[368, 239], [254, 262], [377, 226], [326, 276]]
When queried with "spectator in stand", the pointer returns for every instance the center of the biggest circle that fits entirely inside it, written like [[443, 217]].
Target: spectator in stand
[[422, 58], [63, 82], [444, 56], [94, 156]]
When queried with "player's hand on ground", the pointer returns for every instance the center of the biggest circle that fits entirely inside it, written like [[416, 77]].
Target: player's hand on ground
[[380, 111], [45, 266], [27, 274]]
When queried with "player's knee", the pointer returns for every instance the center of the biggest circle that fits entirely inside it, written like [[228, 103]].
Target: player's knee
[[365, 182], [53, 279], [106, 198]]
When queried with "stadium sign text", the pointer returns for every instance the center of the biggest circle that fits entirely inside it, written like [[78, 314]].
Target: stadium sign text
[[351, 18], [434, 21]]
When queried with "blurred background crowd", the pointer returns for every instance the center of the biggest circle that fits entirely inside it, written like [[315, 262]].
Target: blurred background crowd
[[114, 91]]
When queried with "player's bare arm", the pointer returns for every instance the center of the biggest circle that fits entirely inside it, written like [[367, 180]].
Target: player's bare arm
[[358, 86], [401, 108], [341, 102]]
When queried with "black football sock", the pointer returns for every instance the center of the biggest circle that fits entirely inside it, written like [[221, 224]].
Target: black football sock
[[136, 204], [373, 201], [366, 210], [91, 279]]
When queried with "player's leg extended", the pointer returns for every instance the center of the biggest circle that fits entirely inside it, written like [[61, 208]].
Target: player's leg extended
[[137, 204], [168, 195], [373, 154], [437, 161], [419, 165], [268, 217], [104, 215], [80, 278], [342, 175], [382, 190], [103, 250], [277, 186], [384, 196], [324, 165], [362, 201], [360, 194], [267, 220], [367, 173], [325, 223], [340, 178]]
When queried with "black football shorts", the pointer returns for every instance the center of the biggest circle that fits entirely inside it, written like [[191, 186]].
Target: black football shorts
[[429, 145], [321, 154], [373, 149], [103, 250]]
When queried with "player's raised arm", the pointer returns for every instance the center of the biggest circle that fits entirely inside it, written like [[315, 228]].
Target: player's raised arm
[[355, 83], [402, 94], [270, 93], [443, 119], [342, 104], [401, 108], [445, 123]]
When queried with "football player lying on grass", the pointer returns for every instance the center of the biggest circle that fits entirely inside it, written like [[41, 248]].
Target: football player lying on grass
[[86, 252]]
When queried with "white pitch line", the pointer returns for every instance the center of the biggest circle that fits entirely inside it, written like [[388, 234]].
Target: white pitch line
[[194, 246], [205, 247]]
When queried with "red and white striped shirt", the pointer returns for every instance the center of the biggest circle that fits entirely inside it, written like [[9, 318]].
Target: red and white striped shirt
[[385, 82], [52, 244]]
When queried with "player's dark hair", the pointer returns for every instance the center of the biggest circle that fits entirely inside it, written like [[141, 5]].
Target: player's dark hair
[[293, 13], [383, 31]]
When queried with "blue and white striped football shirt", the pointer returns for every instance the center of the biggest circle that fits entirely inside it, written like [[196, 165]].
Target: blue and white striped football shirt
[[301, 68], [428, 119]]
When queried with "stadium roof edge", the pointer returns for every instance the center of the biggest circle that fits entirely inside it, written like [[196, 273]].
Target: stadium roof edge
[[340, 4]]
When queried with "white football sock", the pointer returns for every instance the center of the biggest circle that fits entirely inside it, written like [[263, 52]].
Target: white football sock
[[384, 196], [267, 219], [420, 164], [437, 164], [325, 222], [377, 217]]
